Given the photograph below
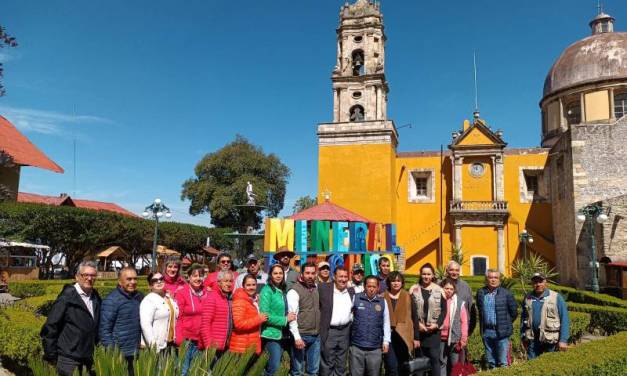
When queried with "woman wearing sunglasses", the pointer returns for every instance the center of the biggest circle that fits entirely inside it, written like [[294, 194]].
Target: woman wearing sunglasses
[[158, 313]]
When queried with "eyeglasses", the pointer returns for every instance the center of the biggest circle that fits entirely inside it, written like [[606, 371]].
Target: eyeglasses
[[156, 280], [86, 275], [225, 261]]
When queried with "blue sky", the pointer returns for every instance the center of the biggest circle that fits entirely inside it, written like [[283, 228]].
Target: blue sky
[[146, 88]]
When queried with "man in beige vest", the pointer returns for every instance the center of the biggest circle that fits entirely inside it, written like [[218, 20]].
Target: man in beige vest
[[545, 325]]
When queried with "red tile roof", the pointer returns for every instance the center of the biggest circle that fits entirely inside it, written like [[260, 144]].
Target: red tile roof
[[23, 152], [67, 200], [328, 211]]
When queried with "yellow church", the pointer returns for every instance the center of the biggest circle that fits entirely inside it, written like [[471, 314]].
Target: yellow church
[[477, 195]]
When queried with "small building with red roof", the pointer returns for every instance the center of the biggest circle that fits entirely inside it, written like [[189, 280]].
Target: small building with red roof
[[16, 151], [65, 200], [328, 211]]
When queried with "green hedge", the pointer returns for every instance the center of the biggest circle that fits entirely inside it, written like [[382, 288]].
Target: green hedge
[[19, 334], [27, 289], [588, 297], [606, 357], [578, 324], [609, 319]]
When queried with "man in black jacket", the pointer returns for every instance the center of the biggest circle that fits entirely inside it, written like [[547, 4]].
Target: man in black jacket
[[336, 305], [71, 330]]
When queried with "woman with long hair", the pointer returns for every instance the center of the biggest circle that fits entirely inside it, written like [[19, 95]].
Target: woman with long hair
[[190, 300], [157, 313], [429, 314], [454, 333], [272, 302], [400, 307], [246, 317]]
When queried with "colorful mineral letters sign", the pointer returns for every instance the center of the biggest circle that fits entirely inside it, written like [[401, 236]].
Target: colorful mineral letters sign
[[329, 236]]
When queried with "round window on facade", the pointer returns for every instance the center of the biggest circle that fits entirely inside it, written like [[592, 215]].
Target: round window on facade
[[477, 170], [357, 94], [358, 39]]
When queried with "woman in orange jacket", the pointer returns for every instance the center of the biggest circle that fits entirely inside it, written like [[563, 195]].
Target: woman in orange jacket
[[246, 317]]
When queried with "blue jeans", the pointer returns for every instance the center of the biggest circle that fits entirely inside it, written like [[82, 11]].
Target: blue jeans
[[310, 354], [496, 349], [537, 348], [192, 350], [274, 348]]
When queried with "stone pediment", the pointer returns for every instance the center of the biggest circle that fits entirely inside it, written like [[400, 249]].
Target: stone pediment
[[478, 135]]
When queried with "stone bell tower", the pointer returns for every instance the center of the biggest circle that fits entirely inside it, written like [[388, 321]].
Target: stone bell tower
[[358, 149]]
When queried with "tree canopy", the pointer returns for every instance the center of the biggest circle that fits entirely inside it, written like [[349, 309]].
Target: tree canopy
[[302, 203], [221, 179], [5, 41]]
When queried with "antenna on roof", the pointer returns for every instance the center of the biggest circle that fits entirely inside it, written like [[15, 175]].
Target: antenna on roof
[[474, 63], [599, 7], [74, 155]]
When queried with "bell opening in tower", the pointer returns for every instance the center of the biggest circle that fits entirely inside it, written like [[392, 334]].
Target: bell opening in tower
[[357, 113], [358, 63]]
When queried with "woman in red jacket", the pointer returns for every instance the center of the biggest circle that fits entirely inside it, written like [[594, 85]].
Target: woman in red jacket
[[172, 277], [246, 317], [216, 322], [190, 300]]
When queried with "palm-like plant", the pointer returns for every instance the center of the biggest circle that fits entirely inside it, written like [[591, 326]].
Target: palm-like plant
[[524, 269]]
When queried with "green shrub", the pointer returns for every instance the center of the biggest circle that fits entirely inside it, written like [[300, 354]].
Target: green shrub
[[588, 297], [608, 319], [604, 357], [19, 335], [26, 289]]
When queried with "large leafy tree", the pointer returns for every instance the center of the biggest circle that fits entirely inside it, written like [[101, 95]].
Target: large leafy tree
[[5, 41], [221, 179], [302, 203]]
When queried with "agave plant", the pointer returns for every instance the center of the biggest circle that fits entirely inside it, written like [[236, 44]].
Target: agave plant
[[457, 255], [440, 273], [525, 268]]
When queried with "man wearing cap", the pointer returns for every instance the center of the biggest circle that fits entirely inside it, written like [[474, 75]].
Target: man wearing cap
[[497, 311], [324, 273], [253, 268], [544, 322], [284, 256], [357, 281]]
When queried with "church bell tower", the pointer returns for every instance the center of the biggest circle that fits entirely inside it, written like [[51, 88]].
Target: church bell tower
[[357, 150]]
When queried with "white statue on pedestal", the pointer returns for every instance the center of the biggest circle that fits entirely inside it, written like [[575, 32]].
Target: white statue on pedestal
[[250, 194]]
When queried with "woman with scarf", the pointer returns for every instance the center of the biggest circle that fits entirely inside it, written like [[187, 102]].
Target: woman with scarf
[[190, 300], [454, 333], [400, 307], [272, 302], [246, 317], [429, 314]]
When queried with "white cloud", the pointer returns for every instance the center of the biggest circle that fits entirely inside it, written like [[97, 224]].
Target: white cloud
[[47, 122]]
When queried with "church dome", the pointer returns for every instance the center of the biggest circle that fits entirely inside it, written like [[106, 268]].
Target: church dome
[[599, 57]]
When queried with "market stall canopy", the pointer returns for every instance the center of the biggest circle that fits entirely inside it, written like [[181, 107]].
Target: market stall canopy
[[328, 211], [164, 251], [114, 251], [6, 243], [211, 251]]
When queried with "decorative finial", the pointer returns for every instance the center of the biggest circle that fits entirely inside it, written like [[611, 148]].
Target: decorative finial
[[327, 195], [474, 63]]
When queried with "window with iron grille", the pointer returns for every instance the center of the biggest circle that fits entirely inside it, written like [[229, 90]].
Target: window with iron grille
[[620, 105]]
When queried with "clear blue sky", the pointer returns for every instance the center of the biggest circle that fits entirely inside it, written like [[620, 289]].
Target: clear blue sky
[[148, 87]]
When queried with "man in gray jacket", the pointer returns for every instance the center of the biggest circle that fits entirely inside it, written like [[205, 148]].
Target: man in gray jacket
[[464, 292]]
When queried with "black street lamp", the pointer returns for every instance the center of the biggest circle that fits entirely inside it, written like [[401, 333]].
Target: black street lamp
[[155, 211], [525, 238], [591, 213]]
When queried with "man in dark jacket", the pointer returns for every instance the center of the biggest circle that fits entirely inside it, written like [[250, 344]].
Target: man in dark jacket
[[336, 306], [70, 332], [497, 311], [119, 316]]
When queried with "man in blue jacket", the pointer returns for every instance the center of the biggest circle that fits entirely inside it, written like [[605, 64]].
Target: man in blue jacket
[[119, 316], [497, 311], [544, 322]]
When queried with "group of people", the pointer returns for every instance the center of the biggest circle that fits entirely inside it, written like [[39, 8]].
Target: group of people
[[325, 320]]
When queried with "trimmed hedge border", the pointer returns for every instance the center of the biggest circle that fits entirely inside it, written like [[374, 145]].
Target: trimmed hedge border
[[588, 297], [603, 357], [609, 319]]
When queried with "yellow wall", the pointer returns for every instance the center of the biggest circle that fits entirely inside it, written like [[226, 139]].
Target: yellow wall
[[358, 178], [477, 188], [478, 241], [597, 105]]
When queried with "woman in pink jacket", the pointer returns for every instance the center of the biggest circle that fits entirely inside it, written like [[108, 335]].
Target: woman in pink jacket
[[454, 333], [216, 323], [190, 300], [172, 276]]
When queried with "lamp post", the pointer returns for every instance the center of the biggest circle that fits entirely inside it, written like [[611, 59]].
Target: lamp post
[[591, 213], [525, 237], [155, 211]]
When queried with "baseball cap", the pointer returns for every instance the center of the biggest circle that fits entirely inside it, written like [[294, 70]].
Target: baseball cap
[[323, 263], [538, 276], [251, 257], [358, 267]]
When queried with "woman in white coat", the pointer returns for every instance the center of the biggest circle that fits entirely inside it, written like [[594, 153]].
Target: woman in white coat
[[158, 312]]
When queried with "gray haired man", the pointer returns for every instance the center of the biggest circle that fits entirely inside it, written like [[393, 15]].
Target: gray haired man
[[464, 292], [71, 329]]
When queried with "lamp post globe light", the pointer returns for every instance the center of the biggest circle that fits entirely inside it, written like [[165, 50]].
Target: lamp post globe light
[[155, 211], [525, 237], [593, 213]]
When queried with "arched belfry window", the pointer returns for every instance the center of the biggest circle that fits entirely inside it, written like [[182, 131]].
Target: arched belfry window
[[573, 113], [357, 113], [620, 105], [358, 62]]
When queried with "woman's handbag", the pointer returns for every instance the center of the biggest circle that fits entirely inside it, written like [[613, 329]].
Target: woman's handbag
[[417, 364]]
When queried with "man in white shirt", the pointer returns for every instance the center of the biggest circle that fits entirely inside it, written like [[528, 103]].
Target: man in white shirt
[[253, 268], [336, 305], [303, 299]]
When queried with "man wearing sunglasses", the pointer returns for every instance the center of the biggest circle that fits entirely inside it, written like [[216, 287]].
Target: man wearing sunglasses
[[224, 263], [69, 334]]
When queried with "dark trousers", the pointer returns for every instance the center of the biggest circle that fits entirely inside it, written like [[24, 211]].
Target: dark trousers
[[397, 355], [433, 353], [129, 361], [66, 366], [334, 352]]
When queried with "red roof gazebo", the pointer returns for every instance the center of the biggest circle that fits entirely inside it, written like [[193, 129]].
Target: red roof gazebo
[[328, 211]]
